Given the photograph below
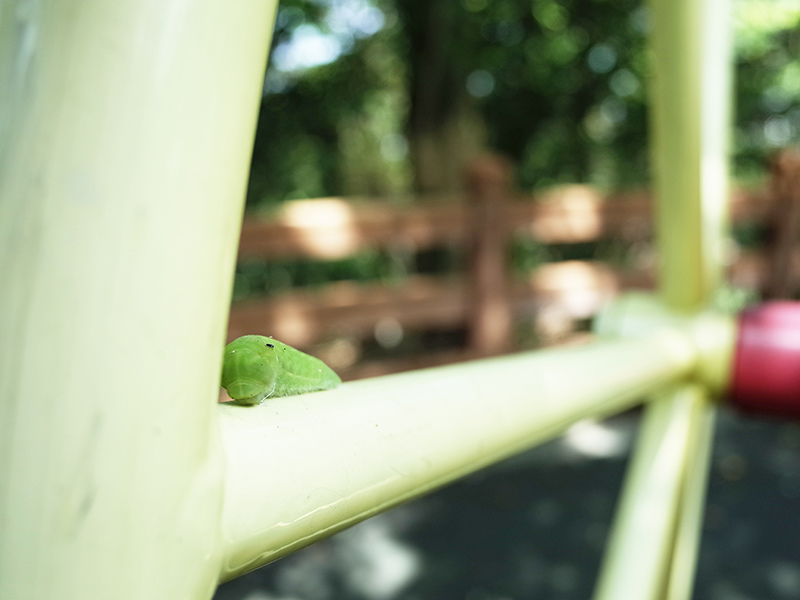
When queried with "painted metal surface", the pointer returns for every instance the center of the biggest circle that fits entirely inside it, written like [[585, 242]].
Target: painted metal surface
[[640, 551], [126, 136], [714, 333], [303, 467], [690, 116], [690, 122], [686, 546]]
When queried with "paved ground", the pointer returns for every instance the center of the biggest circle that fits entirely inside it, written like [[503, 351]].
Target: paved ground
[[534, 528]]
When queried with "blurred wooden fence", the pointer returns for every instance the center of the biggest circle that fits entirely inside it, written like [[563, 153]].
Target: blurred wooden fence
[[485, 300]]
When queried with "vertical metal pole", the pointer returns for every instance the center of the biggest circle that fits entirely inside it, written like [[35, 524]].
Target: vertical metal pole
[[126, 135], [690, 119]]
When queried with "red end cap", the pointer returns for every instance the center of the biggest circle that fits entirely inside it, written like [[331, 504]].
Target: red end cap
[[766, 368]]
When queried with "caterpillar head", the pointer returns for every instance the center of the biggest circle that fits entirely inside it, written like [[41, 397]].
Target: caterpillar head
[[250, 369]]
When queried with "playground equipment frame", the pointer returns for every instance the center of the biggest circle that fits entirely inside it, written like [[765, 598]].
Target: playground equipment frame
[[125, 133]]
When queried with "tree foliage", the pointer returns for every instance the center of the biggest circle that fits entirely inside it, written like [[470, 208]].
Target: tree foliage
[[557, 85]]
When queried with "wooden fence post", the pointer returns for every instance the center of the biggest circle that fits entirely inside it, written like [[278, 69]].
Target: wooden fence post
[[781, 280], [488, 183]]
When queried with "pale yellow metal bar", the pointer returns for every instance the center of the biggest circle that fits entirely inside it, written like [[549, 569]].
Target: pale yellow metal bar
[[680, 582], [127, 129], [640, 550], [713, 334], [715, 88], [301, 468], [690, 121], [690, 118]]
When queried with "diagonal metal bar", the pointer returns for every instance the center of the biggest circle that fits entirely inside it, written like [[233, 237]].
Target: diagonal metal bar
[[640, 550], [317, 463], [687, 536]]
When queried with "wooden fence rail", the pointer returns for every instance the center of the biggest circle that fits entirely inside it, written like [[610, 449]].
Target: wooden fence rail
[[330, 228], [485, 299]]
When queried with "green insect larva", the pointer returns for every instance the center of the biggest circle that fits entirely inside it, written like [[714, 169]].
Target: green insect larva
[[255, 367]]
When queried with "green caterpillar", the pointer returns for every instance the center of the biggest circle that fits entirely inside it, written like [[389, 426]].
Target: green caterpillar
[[255, 367]]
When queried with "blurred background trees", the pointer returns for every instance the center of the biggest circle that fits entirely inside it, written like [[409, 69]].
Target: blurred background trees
[[391, 97]]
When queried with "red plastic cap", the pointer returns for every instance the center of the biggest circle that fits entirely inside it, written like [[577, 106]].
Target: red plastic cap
[[766, 369]]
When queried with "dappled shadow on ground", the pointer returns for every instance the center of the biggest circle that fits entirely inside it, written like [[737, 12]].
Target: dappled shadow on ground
[[534, 527]]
